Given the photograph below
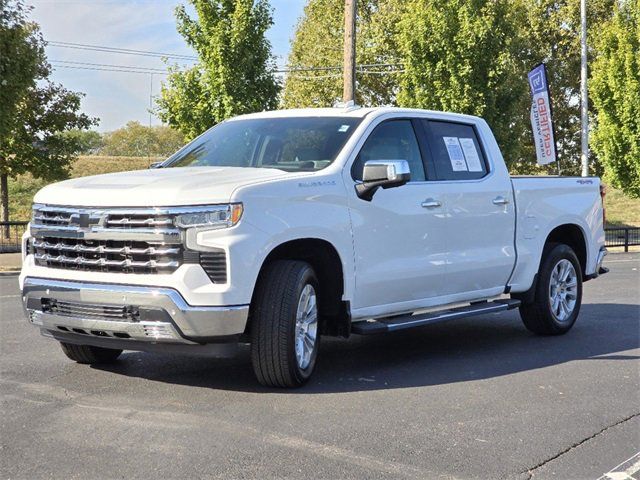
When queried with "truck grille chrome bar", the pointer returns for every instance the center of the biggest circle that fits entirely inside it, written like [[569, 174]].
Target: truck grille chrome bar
[[101, 262], [139, 222], [126, 250]]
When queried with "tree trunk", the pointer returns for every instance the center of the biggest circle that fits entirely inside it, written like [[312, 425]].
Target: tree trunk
[[4, 204]]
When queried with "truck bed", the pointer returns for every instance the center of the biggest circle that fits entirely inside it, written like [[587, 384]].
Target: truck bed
[[542, 204]]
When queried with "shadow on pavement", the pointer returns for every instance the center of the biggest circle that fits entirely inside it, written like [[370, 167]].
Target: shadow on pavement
[[458, 351]]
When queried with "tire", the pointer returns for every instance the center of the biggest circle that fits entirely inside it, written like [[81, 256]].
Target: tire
[[89, 354], [558, 293], [280, 316]]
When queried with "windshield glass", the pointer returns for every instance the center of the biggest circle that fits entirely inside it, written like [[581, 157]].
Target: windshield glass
[[291, 144]]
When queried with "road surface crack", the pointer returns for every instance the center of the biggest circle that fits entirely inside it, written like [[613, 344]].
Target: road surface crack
[[531, 471]]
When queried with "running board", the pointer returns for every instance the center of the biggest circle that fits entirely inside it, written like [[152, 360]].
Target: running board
[[391, 324]]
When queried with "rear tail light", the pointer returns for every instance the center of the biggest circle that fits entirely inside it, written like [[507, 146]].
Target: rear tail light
[[603, 193]]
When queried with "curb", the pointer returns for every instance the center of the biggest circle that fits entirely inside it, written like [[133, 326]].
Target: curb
[[10, 273]]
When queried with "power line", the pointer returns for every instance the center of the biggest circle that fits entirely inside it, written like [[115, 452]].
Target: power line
[[124, 51], [129, 51], [108, 65], [165, 72], [110, 70], [293, 71]]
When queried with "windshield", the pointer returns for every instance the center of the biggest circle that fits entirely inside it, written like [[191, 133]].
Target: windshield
[[292, 144]]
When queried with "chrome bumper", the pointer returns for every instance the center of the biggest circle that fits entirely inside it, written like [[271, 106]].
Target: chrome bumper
[[599, 270], [126, 312]]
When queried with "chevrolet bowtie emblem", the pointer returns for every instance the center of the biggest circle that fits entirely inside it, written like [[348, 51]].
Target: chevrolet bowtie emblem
[[82, 220]]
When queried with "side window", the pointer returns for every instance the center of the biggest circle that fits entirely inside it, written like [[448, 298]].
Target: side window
[[456, 151], [391, 140]]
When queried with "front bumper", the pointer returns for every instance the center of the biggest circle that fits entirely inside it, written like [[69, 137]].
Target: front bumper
[[126, 313]]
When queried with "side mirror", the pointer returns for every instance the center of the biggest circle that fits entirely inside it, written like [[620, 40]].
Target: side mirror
[[156, 165], [382, 173]]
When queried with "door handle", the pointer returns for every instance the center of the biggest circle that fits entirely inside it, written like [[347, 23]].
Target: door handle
[[431, 203], [500, 200]]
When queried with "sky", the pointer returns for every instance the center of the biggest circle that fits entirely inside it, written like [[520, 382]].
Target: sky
[[148, 25]]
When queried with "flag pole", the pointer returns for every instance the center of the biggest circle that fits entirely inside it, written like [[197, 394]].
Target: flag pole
[[584, 105]]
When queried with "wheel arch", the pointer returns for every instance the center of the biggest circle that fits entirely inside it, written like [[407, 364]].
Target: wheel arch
[[573, 236], [570, 234], [325, 260]]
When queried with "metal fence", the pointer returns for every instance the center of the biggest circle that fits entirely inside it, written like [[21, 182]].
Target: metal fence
[[11, 236], [625, 237], [622, 237]]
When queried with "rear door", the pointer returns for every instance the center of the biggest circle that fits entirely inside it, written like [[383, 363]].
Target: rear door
[[480, 209]]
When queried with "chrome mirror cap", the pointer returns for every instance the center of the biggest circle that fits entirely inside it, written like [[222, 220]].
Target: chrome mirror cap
[[382, 173], [390, 170]]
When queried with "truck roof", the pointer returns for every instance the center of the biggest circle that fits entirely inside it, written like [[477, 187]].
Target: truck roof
[[353, 111]]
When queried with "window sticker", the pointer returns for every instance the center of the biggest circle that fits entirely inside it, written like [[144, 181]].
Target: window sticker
[[471, 154], [343, 128], [456, 157]]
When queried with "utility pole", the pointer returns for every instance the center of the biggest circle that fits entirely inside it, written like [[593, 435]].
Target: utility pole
[[349, 68], [584, 101]]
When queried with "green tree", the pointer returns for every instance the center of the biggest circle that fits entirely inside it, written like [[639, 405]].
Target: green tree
[[32, 139], [470, 56], [137, 140], [318, 43], [615, 91], [551, 33], [235, 72], [459, 56], [89, 141], [22, 59]]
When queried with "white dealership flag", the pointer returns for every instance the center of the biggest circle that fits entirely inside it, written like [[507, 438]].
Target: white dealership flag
[[541, 121]]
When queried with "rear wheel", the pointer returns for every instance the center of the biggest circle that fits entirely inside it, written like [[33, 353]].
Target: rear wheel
[[89, 354], [558, 293], [284, 324]]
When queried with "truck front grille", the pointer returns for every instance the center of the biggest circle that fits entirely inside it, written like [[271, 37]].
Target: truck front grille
[[118, 240], [107, 255]]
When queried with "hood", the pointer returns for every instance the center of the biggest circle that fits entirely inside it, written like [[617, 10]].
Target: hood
[[156, 187]]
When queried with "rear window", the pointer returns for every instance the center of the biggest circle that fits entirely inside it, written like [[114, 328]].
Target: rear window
[[457, 154]]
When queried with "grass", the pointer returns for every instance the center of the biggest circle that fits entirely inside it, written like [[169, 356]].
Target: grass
[[621, 210]]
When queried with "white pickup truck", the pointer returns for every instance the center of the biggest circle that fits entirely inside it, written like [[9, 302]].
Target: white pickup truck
[[276, 228]]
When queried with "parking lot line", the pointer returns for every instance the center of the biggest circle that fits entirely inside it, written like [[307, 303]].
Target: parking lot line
[[625, 470]]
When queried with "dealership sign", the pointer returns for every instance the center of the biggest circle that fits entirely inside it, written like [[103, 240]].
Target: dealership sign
[[541, 121]]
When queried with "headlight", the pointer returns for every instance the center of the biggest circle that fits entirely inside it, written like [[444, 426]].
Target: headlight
[[215, 216]]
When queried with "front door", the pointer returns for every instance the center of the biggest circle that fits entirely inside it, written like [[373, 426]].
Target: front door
[[400, 239]]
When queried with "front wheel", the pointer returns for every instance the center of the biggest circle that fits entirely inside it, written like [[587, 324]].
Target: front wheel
[[89, 354], [558, 293], [284, 324]]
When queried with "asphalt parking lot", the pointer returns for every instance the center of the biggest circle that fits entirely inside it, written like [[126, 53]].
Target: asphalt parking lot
[[477, 398]]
